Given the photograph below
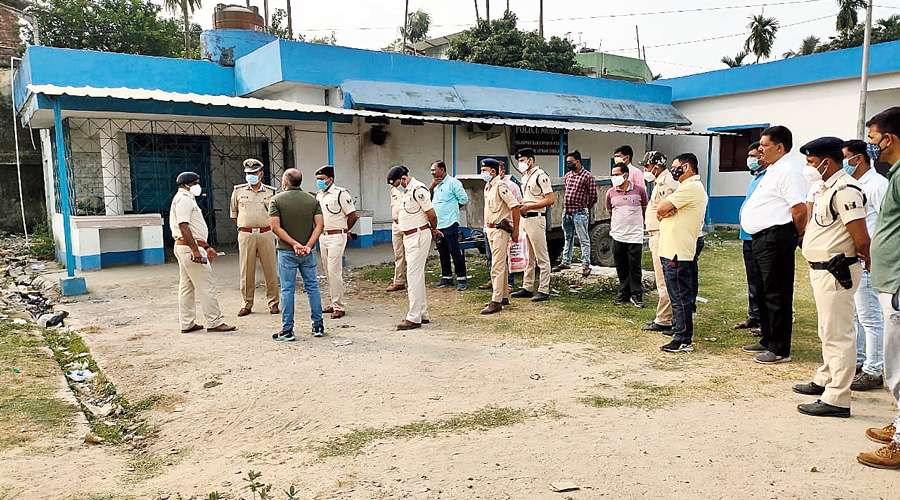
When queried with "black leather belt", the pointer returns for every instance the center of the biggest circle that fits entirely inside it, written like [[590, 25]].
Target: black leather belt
[[531, 214], [822, 266]]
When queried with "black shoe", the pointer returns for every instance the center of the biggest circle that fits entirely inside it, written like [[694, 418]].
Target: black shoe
[[820, 409], [652, 326], [754, 348], [445, 282], [866, 382], [540, 297], [522, 293], [283, 336], [637, 301], [810, 389], [677, 346], [318, 331], [858, 369], [620, 300]]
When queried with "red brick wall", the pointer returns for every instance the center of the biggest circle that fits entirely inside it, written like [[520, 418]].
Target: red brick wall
[[9, 35]]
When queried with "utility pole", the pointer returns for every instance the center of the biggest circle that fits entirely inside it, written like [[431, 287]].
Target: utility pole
[[290, 21], [487, 10], [507, 5], [477, 16], [405, 26], [864, 77], [266, 14], [541, 20], [638, 35]]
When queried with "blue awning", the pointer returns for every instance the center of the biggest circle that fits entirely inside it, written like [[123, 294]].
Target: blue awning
[[475, 100]]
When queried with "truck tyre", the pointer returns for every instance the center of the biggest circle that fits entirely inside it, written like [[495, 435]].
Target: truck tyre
[[601, 246]]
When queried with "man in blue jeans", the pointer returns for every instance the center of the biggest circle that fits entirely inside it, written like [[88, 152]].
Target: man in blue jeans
[[581, 196], [296, 218], [447, 195]]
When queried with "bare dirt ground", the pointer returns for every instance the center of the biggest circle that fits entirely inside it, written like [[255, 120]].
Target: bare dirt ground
[[729, 429]]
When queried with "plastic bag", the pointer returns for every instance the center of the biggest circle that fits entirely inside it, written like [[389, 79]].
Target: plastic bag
[[518, 254]]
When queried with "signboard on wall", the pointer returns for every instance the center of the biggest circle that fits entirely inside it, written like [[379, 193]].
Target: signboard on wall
[[543, 140]]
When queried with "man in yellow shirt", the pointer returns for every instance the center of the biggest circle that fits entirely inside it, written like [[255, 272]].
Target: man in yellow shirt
[[681, 219]]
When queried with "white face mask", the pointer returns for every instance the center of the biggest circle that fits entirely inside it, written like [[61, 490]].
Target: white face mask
[[812, 174], [196, 190], [649, 177], [522, 166], [618, 180]]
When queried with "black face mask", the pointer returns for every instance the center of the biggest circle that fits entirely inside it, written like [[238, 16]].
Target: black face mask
[[570, 165], [678, 172]]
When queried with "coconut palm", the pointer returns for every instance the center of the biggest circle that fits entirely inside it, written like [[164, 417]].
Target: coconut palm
[[807, 46], [186, 7], [847, 17], [762, 36], [736, 61]]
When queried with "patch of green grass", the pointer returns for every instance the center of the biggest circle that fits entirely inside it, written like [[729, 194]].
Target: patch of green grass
[[211, 384], [42, 245], [147, 465], [486, 418], [43, 411]]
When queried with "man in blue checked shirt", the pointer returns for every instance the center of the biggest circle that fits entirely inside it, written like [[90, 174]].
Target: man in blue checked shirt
[[757, 168], [447, 195]]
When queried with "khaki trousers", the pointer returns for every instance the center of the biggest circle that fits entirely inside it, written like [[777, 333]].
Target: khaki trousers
[[663, 307], [332, 248], [196, 280], [262, 246], [891, 351], [399, 256], [835, 306], [499, 243], [416, 246], [538, 256]]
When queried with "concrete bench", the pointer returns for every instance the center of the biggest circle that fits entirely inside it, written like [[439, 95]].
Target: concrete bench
[[106, 240]]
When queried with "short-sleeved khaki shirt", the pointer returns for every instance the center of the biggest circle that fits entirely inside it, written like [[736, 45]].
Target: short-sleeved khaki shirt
[[184, 209], [536, 185], [414, 202], [825, 235], [395, 204], [336, 205], [662, 188], [498, 202], [249, 207]]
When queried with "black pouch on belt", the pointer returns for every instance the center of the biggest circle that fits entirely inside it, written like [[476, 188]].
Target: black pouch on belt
[[839, 267], [505, 225]]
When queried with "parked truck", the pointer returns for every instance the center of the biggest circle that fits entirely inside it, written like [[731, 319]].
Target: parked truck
[[472, 221]]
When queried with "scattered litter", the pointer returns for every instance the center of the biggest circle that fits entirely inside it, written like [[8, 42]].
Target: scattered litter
[[38, 267], [536, 376], [814, 469], [563, 486], [89, 438], [19, 321], [341, 342], [52, 319], [702, 300], [631, 321], [16, 370], [80, 375], [710, 339], [178, 410], [220, 253]]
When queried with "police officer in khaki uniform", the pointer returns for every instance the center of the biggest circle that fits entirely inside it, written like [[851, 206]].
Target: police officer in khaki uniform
[[399, 282], [655, 171], [195, 274], [836, 245], [537, 195], [340, 215], [500, 206], [418, 222], [250, 211]]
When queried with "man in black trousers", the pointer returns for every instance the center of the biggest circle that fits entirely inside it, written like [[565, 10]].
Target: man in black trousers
[[775, 215]]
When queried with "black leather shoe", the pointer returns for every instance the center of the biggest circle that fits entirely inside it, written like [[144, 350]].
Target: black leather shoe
[[521, 294], [540, 297], [820, 409], [810, 389]]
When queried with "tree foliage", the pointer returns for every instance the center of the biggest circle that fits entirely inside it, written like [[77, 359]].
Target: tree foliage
[[278, 27], [847, 16], [418, 23], [500, 43], [125, 26], [762, 36], [807, 46], [736, 61]]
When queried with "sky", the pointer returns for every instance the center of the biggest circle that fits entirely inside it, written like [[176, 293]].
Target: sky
[[680, 38]]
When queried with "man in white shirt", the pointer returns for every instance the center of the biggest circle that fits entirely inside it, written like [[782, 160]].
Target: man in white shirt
[[868, 319], [775, 215]]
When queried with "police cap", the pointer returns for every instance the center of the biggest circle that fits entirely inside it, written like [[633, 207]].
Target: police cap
[[490, 163], [327, 171], [822, 146], [186, 178], [525, 153], [395, 173], [252, 165]]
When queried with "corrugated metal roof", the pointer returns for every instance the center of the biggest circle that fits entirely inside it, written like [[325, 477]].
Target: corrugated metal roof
[[280, 105]]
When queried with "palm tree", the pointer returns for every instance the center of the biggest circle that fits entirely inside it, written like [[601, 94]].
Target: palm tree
[[847, 17], [807, 46], [290, 19], [186, 7], [762, 36], [735, 62]]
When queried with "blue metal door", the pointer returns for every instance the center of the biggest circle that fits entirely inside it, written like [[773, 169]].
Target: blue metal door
[[156, 160]]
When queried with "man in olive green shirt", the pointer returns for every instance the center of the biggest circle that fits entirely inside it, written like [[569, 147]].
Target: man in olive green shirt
[[296, 218], [884, 145]]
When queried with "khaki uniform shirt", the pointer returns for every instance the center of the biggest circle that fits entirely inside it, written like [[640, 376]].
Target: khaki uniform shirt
[[414, 202], [498, 202], [184, 209], [535, 185], [336, 205], [249, 207], [395, 205], [662, 188], [825, 235]]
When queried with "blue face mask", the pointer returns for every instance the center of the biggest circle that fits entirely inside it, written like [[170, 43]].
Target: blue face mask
[[486, 177], [401, 188], [753, 164], [252, 179], [321, 185], [851, 169]]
